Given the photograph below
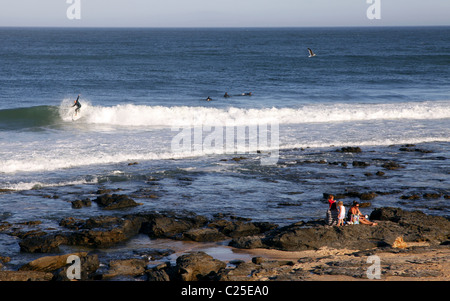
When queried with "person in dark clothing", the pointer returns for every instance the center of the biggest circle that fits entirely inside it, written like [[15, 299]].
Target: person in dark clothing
[[77, 104], [332, 215]]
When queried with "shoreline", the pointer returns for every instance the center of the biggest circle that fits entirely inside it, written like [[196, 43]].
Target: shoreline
[[125, 240], [205, 253]]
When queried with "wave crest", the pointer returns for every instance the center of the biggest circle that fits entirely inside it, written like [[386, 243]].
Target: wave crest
[[142, 115]]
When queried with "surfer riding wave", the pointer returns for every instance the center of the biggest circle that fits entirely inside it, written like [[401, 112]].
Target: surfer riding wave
[[77, 104]]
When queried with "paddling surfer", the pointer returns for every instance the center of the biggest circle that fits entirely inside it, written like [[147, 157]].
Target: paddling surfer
[[77, 104]]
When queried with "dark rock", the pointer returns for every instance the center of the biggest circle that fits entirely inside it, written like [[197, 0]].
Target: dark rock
[[157, 225], [237, 159], [81, 203], [235, 228], [248, 242], [199, 228], [353, 194], [198, 266], [153, 254], [360, 164], [410, 149], [391, 165], [365, 205], [161, 273], [204, 235], [115, 201], [265, 226], [367, 196], [410, 197], [242, 272], [47, 243], [416, 225], [103, 231], [350, 149], [392, 223], [432, 195]]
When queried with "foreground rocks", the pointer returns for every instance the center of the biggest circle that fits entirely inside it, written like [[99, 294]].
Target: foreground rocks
[[415, 263], [396, 231], [106, 231]]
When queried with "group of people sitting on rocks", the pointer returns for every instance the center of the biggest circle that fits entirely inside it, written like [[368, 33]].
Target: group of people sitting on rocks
[[336, 214]]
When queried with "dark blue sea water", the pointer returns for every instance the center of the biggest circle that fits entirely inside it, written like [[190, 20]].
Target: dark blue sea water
[[376, 88]]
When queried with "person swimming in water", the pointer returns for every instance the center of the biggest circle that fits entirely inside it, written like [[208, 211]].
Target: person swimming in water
[[77, 104]]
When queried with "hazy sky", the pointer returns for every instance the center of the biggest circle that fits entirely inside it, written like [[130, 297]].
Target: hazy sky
[[223, 13]]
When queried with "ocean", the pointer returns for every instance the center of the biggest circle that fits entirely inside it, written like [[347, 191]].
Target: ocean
[[145, 128]]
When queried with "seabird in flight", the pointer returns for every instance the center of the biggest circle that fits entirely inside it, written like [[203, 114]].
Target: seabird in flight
[[311, 53]]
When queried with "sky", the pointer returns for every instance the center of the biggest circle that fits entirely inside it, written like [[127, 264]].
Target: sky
[[222, 13]]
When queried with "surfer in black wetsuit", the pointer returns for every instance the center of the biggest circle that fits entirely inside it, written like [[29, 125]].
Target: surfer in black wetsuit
[[77, 103]]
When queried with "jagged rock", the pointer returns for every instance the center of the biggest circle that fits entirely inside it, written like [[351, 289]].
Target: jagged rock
[[350, 149], [115, 201], [46, 243], [81, 203], [198, 266], [157, 225], [103, 231], [360, 164], [392, 223]]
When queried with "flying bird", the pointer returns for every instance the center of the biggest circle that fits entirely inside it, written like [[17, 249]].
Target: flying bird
[[311, 53]]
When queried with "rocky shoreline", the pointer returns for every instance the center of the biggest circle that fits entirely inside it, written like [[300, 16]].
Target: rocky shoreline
[[411, 245]]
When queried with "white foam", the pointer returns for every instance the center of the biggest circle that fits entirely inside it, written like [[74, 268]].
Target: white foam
[[142, 115], [320, 125], [38, 185]]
